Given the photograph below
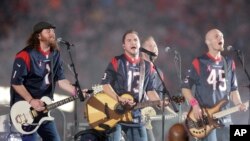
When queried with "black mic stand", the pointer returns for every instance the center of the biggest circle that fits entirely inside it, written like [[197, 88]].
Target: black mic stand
[[240, 57], [77, 87], [177, 62], [164, 93]]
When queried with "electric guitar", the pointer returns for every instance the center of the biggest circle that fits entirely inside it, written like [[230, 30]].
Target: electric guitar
[[201, 128], [103, 112], [149, 114], [27, 120]]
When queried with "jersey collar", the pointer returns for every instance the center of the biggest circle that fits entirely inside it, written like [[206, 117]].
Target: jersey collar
[[214, 59], [43, 52], [133, 61]]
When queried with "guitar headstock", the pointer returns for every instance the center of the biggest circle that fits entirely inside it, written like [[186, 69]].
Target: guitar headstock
[[178, 99], [97, 88]]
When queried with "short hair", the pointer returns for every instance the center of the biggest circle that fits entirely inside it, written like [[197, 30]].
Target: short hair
[[146, 39]]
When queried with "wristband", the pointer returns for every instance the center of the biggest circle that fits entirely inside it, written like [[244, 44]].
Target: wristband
[[193, 102]]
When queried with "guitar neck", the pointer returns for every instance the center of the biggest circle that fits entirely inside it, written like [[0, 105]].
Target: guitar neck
[[167, 117], [229, 111], [61, 102], [147, 103]]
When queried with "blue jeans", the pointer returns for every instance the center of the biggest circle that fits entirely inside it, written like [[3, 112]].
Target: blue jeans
[[132, 133], [47, 131]]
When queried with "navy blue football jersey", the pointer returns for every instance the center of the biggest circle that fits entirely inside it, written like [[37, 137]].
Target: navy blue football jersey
[[158, 83], [32, 68], [209, 77], [123, 75]]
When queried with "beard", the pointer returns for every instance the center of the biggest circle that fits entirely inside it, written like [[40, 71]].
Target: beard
[[53, 44]]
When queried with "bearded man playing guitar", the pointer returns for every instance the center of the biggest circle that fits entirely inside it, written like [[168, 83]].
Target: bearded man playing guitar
[[215, 80], [36, 70]]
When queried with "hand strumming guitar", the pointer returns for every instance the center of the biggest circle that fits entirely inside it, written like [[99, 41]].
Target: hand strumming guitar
[[197, 112], [126, 101], [37, 104]]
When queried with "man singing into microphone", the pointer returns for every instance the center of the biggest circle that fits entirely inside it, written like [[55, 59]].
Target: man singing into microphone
[[214, 78], [128, 73], [36, 70]]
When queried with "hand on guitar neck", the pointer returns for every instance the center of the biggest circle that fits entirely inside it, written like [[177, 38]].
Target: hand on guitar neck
[[126, 101]]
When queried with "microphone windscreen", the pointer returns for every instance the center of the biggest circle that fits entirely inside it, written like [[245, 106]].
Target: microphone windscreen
[[229, 47], [167, 49]]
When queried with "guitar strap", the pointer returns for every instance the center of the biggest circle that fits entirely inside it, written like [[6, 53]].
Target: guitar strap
[[51, 57], [141, 80], [226, 72]]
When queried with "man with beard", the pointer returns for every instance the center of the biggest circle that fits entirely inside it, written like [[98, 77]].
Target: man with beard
[[214, 78], [36, 70]]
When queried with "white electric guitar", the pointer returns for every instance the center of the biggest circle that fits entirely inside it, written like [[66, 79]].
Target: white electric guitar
[[149, 114], [27, 120]]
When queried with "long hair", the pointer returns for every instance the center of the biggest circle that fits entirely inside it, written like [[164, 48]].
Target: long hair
[[34, 42]]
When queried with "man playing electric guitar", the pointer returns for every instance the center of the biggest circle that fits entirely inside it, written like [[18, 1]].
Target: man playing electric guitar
[[214, 79], [36, 70]]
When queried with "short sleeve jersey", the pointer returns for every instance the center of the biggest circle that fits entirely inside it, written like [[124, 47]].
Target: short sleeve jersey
[[158, 83], [123, 75], [32, 68], [209, 77]]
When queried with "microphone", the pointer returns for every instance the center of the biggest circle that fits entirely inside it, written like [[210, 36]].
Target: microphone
[[60, 40], [147, 52], [231, 48], [177, 56], [169, 49]]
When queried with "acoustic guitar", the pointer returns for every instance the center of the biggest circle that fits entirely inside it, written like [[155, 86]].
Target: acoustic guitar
[[103, 112]]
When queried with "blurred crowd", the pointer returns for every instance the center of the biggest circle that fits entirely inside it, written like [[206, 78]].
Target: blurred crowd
[[96, 27]]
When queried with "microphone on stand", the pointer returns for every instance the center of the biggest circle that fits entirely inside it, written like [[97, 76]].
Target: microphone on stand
[[60, 40], [169, 49], [231, 48], [176, 53], [147, 52]]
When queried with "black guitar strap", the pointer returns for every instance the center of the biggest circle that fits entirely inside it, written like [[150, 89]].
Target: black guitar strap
[[51, 57], [226, 72]]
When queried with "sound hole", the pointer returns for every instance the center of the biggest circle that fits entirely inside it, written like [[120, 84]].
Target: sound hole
[[120, 109]]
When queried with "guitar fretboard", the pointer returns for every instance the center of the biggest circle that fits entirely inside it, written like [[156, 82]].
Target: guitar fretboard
[[229, 111], [147, 103], [61, 102]]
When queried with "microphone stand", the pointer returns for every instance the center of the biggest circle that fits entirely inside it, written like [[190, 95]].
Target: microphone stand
[[77, 87], [177, 58], [240, 57], [164, 93]]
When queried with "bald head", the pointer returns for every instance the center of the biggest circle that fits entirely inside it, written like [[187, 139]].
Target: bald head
[[178, 132], [214, 40]]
